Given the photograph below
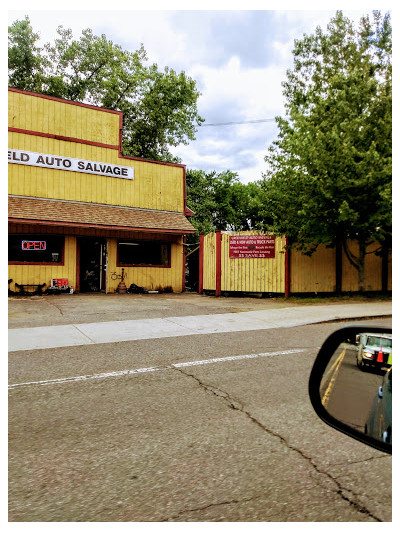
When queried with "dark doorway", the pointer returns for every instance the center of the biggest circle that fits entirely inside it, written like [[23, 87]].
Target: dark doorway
[[192, 271], [92, 264]]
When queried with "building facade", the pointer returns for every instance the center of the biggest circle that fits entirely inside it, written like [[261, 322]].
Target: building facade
[[81, 211]]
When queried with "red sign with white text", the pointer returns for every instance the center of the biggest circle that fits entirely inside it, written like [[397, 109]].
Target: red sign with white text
[[251, 247]]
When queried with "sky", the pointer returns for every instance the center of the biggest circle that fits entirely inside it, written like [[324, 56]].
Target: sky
[[238, 58]]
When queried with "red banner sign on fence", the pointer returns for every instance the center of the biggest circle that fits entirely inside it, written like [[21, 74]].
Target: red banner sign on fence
[[251, 246]]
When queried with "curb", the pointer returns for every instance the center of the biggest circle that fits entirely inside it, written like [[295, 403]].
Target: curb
[[349, 319]]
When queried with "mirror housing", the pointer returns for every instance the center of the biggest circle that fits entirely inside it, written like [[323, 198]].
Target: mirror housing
[[350, 337]]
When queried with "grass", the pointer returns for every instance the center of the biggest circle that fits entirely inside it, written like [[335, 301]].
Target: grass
[[345, 298]]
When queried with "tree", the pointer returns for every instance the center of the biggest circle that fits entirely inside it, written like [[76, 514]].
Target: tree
[[221, 201], [329, 173], [159, 107], [25, 63]]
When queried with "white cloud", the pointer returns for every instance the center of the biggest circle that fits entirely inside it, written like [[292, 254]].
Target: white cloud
[[254, 93]]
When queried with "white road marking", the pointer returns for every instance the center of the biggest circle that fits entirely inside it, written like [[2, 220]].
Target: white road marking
[[118, 373]]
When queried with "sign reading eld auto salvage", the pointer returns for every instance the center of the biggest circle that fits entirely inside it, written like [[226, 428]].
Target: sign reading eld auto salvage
[[251, 246], [35, 159]]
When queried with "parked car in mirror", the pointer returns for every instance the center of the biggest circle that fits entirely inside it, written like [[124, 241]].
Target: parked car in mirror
[[374, 350]]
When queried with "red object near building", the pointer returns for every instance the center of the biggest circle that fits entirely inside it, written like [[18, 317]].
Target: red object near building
[[251, 246]]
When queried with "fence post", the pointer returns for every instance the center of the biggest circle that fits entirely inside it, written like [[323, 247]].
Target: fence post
[[201, 264], [218, 239], [287, 269]]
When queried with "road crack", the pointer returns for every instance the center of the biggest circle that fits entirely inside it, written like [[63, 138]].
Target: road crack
[[57, 307], [233, 403], [208, 506], [366, 460]]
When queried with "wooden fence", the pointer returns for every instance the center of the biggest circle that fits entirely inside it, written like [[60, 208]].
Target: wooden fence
[[256, 262]]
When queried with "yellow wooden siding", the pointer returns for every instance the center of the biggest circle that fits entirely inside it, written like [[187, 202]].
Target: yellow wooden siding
[[318, 272], [43, 115], [253, 275], [154, 186], [38, 274], [373, 270], [151, 278], [313, 274], [243, 275], [209, 264]]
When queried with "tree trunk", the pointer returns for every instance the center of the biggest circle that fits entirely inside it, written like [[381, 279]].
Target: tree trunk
[[358, 262], [338, 269], [361, 266], [385, 267]]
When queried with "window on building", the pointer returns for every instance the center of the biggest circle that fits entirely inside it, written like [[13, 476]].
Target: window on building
[[149, 253], [35, 248]]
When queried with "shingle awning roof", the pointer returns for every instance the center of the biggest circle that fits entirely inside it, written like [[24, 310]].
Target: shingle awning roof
[[69, 213]]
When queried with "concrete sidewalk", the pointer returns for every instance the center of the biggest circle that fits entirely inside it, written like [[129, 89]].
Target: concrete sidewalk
[[152, 328]]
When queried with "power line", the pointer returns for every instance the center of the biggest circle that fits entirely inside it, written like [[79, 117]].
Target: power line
[[242, 122]]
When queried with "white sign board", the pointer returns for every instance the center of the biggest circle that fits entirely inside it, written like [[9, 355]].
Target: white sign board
[[35, 159]]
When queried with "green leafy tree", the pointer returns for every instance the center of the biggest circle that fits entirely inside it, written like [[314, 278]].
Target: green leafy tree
[[329, 173], [26, 64], [159, 107], [221, 202]]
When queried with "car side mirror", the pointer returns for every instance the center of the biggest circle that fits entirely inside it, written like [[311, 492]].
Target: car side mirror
[[350, 384]]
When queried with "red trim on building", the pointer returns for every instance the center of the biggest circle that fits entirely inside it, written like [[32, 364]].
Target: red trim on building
[[121, 127], [62, 138], [201, 264], [64, 101], [287, 269], [132, 158], [98, 226], [184, 191], [218, 240]]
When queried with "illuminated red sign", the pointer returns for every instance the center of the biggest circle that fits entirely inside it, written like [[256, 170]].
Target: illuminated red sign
[[34, 245], [251, 247]]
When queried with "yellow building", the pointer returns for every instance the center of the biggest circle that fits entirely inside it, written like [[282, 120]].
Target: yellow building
[[80, 211]]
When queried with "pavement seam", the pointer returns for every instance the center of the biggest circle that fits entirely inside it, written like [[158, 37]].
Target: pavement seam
[[83, 333], [237, 406], [170, 319]]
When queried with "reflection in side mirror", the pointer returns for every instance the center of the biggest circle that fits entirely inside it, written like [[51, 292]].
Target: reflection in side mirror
[[351, 384]]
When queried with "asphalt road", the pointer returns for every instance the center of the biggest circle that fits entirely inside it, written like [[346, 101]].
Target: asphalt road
[[348, 392], [190, 429]]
